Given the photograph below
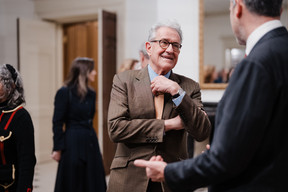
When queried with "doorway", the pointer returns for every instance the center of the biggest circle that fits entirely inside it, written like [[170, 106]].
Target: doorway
[[45, 55], [81, 40]]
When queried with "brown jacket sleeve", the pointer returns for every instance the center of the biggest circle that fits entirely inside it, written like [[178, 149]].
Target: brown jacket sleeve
[[194, 118]]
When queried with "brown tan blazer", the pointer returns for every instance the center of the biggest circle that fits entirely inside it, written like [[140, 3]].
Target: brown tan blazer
[[139, 135]]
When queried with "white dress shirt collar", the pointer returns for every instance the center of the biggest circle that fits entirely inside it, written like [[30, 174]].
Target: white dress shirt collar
[[259, 32]]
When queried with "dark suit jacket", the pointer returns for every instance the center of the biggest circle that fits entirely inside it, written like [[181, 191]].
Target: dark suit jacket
[[249, 146], [132, 124]]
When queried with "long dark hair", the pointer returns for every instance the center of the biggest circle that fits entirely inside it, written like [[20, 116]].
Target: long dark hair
[[77, 77], [12, 86]]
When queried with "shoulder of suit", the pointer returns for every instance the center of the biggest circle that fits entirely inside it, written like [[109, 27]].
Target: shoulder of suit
[[184, 79], [131, 74]]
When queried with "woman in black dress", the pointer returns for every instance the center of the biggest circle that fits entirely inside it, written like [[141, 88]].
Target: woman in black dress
[[75, 144], [17, 149]]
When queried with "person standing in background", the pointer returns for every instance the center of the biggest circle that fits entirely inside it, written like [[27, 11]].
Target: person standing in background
[[129, 64], [143, 55], [249, 146], [17, 146], [76, 147], [152, 111]]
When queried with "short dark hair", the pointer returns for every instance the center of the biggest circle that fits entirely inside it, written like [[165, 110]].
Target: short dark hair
[[269, 8]]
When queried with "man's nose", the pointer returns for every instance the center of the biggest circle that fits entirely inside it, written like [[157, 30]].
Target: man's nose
[[170, 48]]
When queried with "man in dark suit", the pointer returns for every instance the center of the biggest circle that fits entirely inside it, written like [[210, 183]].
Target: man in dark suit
[[249, 146], [132, 119]]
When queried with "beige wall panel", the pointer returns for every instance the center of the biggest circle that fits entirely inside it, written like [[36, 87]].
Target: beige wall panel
[[39, 71]]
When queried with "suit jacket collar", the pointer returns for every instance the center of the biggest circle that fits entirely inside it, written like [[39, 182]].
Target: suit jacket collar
[[259, 32], [274, 33], [174, 77], [143, 75]]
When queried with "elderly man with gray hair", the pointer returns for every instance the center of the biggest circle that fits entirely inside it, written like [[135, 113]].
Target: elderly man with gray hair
[[152, 111]]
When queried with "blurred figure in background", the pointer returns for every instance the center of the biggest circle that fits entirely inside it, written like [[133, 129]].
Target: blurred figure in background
[[76, 147], [17, 148], [210, 74], [144, 57], [129, 64]]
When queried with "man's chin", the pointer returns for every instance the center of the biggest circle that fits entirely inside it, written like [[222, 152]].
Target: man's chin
[[168, 62], [167, 66]]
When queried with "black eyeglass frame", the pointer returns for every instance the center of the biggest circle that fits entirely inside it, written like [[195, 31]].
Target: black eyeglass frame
[[176, 46]]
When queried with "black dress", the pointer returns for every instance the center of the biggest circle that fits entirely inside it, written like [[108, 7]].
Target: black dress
[[17, 150], [80, 167]]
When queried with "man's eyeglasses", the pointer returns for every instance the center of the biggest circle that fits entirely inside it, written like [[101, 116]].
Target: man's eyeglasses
[[164, 44]]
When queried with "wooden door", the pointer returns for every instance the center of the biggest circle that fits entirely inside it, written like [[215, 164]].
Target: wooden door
[[107, 34], [81, 40], [97, 40]]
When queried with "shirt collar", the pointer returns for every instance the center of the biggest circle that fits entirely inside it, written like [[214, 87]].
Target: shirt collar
[[259, 32], [152, 73]]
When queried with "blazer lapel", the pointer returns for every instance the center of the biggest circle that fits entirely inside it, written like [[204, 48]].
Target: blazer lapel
[[168, 105], [143, 90]]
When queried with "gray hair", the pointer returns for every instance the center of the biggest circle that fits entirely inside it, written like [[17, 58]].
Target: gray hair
[[12, 86], [143, 50], [168, 23], [269, 8]]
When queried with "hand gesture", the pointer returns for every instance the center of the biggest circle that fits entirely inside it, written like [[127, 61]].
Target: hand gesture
[[161, 84], [154, 167]]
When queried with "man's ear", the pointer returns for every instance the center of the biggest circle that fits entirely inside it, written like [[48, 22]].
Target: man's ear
[[238, 8], [148, 48]]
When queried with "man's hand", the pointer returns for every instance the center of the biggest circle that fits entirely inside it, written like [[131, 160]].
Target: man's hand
[[173, 124], [154, 167], [56, 155], [161, 84]]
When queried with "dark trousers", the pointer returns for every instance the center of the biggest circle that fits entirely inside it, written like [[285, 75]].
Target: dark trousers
[[154, 186]]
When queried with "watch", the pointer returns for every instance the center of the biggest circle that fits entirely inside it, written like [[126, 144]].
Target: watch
[[180, 91]]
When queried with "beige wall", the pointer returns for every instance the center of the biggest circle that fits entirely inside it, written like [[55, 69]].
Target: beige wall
[[10, 10]]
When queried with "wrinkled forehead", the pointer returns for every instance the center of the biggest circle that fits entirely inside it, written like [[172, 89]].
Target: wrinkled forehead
[[168, 34]]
